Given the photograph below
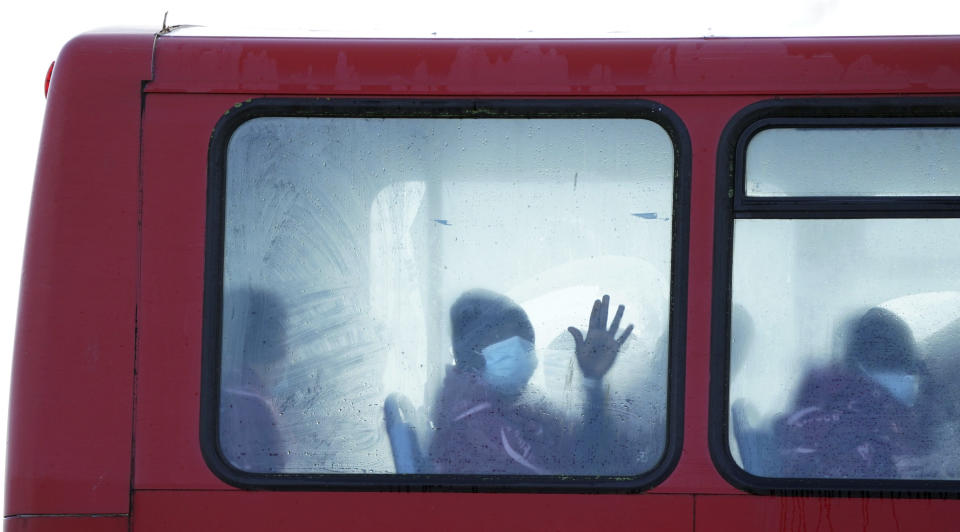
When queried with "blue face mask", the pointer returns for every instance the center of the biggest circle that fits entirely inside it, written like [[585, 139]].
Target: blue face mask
[[904, 387], [509, 364]]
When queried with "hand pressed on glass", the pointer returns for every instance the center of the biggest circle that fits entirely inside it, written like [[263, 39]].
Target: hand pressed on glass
[[597, 352]]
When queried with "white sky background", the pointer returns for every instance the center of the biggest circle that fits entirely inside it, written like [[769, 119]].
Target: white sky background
[[34, 33]]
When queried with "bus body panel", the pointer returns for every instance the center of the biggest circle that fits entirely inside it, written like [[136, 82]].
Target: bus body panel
[[58, 523], [705, 118], [739, 512], [176, 135], [572, 68], [72, 390], [220, 510], [108, 356]]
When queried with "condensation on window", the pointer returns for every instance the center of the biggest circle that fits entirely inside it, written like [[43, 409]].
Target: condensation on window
[[844, 348], [349, 240], [907, 161]]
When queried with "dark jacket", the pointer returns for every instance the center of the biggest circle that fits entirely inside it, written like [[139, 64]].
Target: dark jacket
[[478, 431], [844, 425]]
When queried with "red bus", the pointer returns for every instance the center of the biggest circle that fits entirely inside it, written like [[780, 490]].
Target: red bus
[[332, 283]]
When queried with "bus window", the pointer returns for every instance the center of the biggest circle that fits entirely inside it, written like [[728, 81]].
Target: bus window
[[844, 305], [817, 161], [424, 294]]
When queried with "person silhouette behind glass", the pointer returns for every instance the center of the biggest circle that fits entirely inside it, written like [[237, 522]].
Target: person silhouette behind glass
[[249, 436], [864, 417], [488, 422]]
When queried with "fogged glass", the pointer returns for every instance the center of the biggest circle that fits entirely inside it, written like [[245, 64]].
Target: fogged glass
[[362, 256], [854, 162], [845, 337]]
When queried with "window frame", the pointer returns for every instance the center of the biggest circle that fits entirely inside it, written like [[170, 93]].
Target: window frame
[[732, 202], [440, 109]]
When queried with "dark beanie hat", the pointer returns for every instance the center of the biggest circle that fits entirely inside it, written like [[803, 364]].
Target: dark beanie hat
[[881, 340], [479, 318]]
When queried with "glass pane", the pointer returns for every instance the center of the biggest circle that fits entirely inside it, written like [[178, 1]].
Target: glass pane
[[854, 162], [363, 257], [844, 348]]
